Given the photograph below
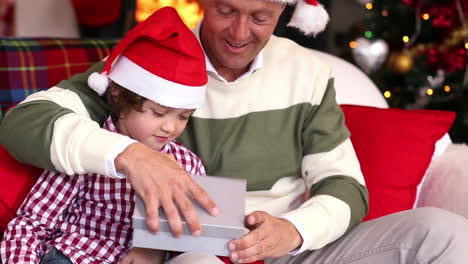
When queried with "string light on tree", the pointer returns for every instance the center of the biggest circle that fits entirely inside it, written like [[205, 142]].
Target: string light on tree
[[427, 62], [401, 62], [387, 94]]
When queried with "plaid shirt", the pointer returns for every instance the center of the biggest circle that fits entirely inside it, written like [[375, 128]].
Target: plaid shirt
[[86, 217]]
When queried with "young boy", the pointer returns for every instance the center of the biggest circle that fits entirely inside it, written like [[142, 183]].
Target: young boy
[[157, 78]]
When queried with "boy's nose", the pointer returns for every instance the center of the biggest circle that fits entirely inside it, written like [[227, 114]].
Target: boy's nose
[[168, 126]]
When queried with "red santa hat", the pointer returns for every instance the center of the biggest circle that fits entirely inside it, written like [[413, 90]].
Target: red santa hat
[[309, 16], [159, 59]]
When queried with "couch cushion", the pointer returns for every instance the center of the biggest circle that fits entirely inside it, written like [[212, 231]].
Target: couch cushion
[[17, 180], [29, 65], [394, 148]]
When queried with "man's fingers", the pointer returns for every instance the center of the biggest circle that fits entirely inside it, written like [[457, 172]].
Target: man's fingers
[[203, 198], [173, 217], [152, 213], [252, 238], [256, 218], [255, 247], [188, 211]]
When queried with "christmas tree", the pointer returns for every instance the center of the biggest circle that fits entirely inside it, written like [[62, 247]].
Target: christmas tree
[[416, 52]]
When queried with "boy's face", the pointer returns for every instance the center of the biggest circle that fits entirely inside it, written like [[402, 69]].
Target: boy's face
[[155, 125]]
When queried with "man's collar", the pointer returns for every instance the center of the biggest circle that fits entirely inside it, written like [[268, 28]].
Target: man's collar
[[256, 64]]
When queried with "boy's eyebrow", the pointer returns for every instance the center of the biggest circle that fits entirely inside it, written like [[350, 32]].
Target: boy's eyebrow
[[189, 111], [165, 107]]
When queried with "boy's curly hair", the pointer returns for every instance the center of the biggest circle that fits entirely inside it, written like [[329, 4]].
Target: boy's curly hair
[[119, 105]]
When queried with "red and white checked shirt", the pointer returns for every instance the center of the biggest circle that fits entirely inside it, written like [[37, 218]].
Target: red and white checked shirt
[[87, 217]]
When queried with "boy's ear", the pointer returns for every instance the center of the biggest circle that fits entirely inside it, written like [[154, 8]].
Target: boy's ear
[[114, 93]]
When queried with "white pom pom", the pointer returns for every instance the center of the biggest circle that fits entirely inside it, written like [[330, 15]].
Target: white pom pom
[[98, 82], [309, 19]]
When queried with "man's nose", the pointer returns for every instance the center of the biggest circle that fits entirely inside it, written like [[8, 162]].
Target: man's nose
[[240, 29]]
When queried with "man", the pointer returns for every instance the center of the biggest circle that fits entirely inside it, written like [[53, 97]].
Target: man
[[270, 117]]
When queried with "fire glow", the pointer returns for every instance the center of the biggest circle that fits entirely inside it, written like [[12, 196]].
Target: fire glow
[[190, 10]]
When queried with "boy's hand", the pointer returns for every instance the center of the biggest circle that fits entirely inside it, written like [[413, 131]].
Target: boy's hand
[[144, 256], [269, 237], [161, 182]]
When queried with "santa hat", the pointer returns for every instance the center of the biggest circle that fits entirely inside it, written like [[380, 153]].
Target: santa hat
[[309, 16], [159, 59]]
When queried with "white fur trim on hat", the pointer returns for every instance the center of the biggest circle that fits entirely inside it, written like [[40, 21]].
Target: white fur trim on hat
[[309, 19], [164, 92]]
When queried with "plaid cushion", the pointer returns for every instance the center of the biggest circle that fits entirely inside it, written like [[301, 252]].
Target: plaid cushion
[[32, 64]]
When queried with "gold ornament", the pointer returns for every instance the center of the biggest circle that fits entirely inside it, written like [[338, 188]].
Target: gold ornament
[[401, 62]]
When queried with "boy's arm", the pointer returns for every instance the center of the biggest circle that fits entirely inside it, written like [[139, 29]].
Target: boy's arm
[[26, 234]]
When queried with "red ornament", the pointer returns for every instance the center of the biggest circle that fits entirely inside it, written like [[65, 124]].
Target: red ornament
[[450, 61], [410, 3], [446, 16], [455, 60]]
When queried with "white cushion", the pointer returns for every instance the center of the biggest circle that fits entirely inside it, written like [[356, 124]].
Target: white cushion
[[354, 87]]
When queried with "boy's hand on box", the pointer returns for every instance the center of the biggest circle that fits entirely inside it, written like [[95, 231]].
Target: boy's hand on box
[[269, 237], [144, 256], [161, 182]]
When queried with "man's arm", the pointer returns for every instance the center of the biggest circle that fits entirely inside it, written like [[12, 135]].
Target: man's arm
[[26, 130], [58, 129], [338, 196]]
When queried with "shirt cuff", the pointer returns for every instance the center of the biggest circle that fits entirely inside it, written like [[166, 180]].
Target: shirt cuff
[[299, 229], [320, 220], [110, 158]]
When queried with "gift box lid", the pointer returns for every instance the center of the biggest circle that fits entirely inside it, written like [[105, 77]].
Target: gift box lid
[[229, 196]]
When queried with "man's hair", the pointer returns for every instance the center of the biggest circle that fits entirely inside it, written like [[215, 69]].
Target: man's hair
[[125, 100]]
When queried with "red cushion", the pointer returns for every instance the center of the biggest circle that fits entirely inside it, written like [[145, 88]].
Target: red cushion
[[17, 180], [228, 261], [394, 148], [97, 13]]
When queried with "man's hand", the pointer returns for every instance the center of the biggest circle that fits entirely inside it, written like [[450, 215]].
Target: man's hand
[[270, 237], [144, 256], [161, 182]]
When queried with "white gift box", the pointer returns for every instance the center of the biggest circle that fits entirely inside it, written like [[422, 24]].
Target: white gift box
[[217, 231]]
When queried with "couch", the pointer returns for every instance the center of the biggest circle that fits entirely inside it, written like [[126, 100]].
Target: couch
[[403, 153]]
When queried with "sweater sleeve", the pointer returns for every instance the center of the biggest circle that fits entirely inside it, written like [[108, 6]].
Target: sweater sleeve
[[338, 196], [59, 129]]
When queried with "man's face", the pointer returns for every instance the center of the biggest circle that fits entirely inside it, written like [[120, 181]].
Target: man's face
[[234, 32]]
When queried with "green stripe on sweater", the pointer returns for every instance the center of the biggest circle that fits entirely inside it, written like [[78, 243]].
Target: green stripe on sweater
[[33, 123], [261, 147]]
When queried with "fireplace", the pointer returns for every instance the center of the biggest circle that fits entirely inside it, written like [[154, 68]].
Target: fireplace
[[190, 10]]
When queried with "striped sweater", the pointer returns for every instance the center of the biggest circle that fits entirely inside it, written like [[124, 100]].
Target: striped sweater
[[280, 128]]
